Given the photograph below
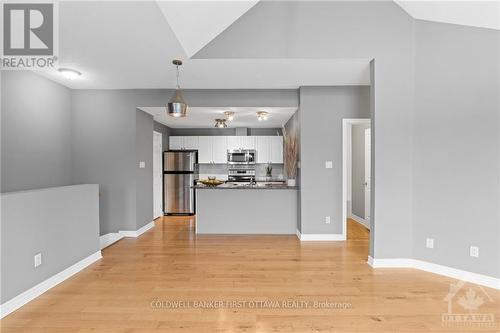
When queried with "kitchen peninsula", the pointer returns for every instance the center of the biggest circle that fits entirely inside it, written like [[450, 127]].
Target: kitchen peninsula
[[246, 209]]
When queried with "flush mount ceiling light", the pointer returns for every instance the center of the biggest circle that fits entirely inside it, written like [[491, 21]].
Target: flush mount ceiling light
[[177, 107], [229, 115], [220, 123], [69, 73], [262, 115]]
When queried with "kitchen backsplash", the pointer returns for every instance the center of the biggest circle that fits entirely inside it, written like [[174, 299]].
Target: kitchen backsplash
[[260, 170]]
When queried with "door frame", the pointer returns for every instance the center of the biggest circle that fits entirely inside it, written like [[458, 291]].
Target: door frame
[[368, 183], [160, 135], [346, 145]]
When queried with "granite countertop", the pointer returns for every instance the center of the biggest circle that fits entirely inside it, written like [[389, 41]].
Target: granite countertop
[[259, 186]]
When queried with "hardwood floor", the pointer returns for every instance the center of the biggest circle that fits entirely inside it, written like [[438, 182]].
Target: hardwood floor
[[129, 290]]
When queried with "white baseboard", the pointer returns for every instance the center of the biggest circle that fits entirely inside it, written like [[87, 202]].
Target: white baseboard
[[360, 220], [108, 239], [483, 280], [320, 237], [25, 297]]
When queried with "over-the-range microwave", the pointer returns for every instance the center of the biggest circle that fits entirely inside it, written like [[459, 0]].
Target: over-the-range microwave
[[241, 156]]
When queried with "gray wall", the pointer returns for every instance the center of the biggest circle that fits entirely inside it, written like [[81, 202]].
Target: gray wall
[[456, 147], [165, 131], [322, 110], [144, 176], [62, 223], [358, 170], [36, 136], [351, 29]]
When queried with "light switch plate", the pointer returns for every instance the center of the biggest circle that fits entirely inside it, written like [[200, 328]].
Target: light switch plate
[[329, 164], [429, 243], [474, 251], [142, 164], [38, 259], [328, 220]]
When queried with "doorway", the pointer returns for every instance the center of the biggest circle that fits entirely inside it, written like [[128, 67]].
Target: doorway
[[157, 175], [356, 177]]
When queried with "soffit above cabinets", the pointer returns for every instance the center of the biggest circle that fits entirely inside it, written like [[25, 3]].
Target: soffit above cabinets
[[482, 14]]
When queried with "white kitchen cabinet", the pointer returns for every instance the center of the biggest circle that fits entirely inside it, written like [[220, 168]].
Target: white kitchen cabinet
[[212, 149], [183, 142], [233, 142], [175, 142], [262, 149], [205, 149], [219, 149], [276, 148], [269, 149], [247, 142], [191, 142], [240, 142]]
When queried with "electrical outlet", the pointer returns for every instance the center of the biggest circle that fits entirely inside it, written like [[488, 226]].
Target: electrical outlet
[[327, 219], [38, 259], [474, 251], [429, 243], [329, 164]]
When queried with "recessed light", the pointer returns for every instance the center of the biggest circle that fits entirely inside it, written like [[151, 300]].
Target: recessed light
[[69, 73]]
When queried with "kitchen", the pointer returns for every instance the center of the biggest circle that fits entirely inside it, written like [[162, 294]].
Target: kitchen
[[243, 169]]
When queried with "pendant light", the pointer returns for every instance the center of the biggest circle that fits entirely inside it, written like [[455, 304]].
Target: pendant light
[[177, 107]]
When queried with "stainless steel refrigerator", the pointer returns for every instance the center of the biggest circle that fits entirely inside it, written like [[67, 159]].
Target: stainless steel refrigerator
[[179, 174]]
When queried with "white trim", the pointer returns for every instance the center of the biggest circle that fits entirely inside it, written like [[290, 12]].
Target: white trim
[[113, 237], [360, 220], [346, 123], [32, 293], [320, 237], [483, 280], [108, 239]]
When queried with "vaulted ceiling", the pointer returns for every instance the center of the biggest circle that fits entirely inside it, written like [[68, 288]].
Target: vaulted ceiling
[[130, 44]]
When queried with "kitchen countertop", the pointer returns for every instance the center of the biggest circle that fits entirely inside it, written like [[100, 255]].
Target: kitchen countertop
[[258, 186]]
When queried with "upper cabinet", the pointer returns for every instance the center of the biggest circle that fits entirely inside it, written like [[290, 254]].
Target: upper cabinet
[[183, 142], [213, 149], [240, 142], [269, 149]]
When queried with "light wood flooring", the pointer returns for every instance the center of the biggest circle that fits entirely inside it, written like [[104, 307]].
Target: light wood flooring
[[169, 263]]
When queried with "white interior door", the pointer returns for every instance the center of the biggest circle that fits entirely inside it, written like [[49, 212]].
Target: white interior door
[[368, 170], [157, 175]]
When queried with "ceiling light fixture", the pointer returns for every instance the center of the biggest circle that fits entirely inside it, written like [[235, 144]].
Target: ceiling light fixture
[[220, 123], [69, 73], [177, 107], [229, 115], [262, 115]]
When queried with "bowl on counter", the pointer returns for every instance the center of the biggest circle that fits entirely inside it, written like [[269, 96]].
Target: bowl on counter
[[211, 181]]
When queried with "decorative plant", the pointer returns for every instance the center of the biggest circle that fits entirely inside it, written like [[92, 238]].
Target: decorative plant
[[291, 146], [269, 171]]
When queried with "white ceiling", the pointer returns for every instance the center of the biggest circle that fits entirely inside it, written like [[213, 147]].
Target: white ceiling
[[196, 23], [130, 44], [483, 14], [204, 117]]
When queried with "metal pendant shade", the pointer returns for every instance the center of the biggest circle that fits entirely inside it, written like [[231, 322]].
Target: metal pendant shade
[[177, 107]]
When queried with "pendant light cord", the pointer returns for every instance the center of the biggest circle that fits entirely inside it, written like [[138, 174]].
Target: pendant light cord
[[177, 67]]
